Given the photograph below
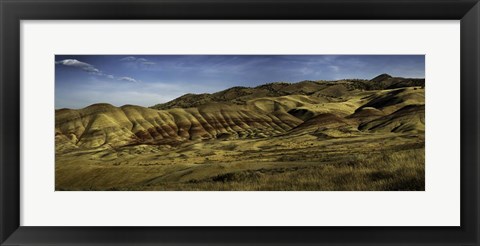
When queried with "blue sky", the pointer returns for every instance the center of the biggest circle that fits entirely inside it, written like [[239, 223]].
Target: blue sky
[[145, 80]]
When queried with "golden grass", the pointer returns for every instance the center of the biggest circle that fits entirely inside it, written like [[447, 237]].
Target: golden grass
[[340, 169], [388, 171]]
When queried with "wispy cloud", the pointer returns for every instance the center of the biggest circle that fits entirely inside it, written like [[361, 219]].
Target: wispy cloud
[[80, 65], [128, 59], [128, 79], [140, 61], [89, 68]]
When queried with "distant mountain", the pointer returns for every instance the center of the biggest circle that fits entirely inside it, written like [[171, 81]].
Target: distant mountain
[[239, 95], [319, 108]]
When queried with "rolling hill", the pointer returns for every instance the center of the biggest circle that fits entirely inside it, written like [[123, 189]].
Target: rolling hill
[[267, 110], [270, 130]]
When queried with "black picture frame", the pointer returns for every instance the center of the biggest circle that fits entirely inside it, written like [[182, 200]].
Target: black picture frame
[[13, 11]]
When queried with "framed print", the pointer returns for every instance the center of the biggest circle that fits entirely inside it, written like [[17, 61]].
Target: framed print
[[239, 122]]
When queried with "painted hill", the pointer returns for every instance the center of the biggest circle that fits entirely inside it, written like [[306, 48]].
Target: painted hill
[[104, 124], [410, 118], [330, 108]]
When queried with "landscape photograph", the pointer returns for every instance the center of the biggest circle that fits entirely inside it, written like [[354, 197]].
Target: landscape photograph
[[239, 122]]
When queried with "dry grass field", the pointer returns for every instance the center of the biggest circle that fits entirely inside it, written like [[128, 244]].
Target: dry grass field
[[348, 135]]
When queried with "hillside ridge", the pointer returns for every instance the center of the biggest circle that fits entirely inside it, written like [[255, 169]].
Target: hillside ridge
[[240, 94], [320, 108]]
